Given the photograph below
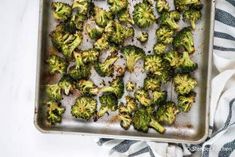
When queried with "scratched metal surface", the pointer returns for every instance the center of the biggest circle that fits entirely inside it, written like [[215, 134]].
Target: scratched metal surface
[[191, 127]]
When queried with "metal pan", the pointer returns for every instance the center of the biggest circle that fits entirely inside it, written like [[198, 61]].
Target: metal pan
[[191, 127]]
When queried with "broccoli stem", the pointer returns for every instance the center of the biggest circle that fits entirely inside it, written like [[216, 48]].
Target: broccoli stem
[[157, 126], [131, 61], [102, 111]]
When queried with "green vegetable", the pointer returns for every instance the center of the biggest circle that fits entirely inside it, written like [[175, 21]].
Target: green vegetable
[[102, 17], [125, 120], [54, 112], [185, 102], [82, 72], [170, 19], [61, 11], [184, 83], [66, 84], [162, 5], [125, 17], [192, 16], [159, 48], [54, 92], [142, 96], [186, 64], [164, 35], [87, 87], [106, 68], [130, 86], [117, 5], [95, 32], [143, 37], [152, 84], [56, 65], [183, 5], [130, 106], [159, 97], [116, 87]]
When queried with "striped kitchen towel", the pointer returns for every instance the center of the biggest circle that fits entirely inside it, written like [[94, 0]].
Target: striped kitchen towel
[[222, 108]]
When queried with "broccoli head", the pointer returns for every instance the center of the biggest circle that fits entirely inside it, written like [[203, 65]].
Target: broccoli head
[[78, 21], [159, 97], [56, 65], [142, 120], [152, 84], [81, 6], [159, 48], [129, 107], [143, 15], [162, 5], [184, 83], [164, 35], [154, 64], [117, 5], [186, 101], [183, 5], [192, 16], [107, 67], [170, 19], [54, 92], [130, 86], [183, 41], [142, 97], [186, 64], [125, 17], [102, 43], [102, 17], [116, 87], [143, 37], [54, 112], [61, 11], [109, 102], [87, 87], [90, 55], [173, 58], [95, 32], [84, 108], [167, 113], [83, 72], [66, 84], [132, 55], [125, 120]]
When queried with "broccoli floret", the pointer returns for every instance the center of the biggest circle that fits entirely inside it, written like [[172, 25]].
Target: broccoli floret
[[102, 17], [185, 102], [66, 84], [117, 5], [184, 83], [143, 37], [162, 5], [166, 113], [78, 20], [89, 56], [82, 72], [94, 33], [81, 6], [159, 48], [143, 15], [54, 92], [129, 107], [183, 5], [170, 19], [186, 64], [130, 86], [102, 43], [142, 96], [56, 65], [54, 112], [106, 68], [125, 120], [153, 64], [166, 74], [173, 57], [152, 84], [164, 35], [61, 11], [116, 87], [108, 103], [87, 87], [132, 55], [192, 16], [125, 17], [183, 41], [159, 97], [142, 120], [84, 108]]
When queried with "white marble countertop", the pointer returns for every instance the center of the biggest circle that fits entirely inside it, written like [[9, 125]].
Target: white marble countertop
[[18, 45]]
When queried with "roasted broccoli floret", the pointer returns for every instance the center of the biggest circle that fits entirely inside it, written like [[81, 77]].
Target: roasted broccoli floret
[[117, 5], [153, 64], [54, 112], [66, 84], [152, 84], [102, 43], [102, 17], [130, 86], [125, 17], [82, 72], [159, 48], [86, 56], [162, 5], [95, 32], [184, 83], [170, 19], [78, 20], [183, 41], [143, 37], [61, 11], [132, 54], [87, 87], [81, 6], [164, 35], [142, 96], [159, 97], [166, 113], [125, 120], [186, 101], [129, 107], [143, 15], [183, 5], [54, 92], [173, 57], [142, 120], [116, 87], [106, 68], [108, 103], [84, 108], [192, 16], [186, 64], [56, 65]]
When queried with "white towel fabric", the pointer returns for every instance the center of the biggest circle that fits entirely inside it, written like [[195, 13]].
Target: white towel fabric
[[222, 107]]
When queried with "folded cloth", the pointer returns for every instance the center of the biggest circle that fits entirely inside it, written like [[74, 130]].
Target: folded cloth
[[221, 140]]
